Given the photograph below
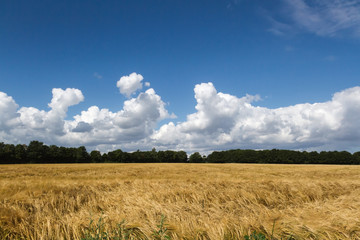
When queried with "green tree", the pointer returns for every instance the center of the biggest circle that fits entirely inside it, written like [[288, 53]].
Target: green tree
[[181, 156], [95, 156], [196, 158], [54, 155], [8, 153], [81, 155], [35, 152], [356, 158], [118, 156], [20, 153]]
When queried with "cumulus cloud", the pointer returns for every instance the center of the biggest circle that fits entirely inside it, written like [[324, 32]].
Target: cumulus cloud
[[322, 17], [131, 125], [130, 84], [220, 121], [135, 122], [63, 99], [224, 121], [50, 124], [29, 123], [8, 112], [82, 127]]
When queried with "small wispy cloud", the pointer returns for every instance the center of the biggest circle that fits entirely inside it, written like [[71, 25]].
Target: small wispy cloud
[[327, 18], [279, 28], [232, 3], [97, 75], [289, 49], [330, 58]]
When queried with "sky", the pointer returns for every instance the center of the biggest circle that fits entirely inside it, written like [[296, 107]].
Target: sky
[[189, 75]]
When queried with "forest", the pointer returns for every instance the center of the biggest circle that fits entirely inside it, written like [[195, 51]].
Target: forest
[[38, 152]]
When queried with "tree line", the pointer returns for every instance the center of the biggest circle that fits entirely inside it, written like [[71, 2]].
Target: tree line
[[38, 152], [284, 157]]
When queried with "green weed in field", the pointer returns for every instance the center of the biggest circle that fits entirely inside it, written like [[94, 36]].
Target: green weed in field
[[97, 231]]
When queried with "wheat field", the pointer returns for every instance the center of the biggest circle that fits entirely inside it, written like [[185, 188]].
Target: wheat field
[[199, 201]]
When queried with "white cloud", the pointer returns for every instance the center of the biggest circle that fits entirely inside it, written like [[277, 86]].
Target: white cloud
[[321, 17], [62, 99], [28, 123], [130, 84], [50, 124], [135, 122], [82, 127], [130, 126], [8, 114], [221, 121], [224, 121]]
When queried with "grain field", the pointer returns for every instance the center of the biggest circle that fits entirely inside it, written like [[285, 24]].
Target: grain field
[[199, 201]]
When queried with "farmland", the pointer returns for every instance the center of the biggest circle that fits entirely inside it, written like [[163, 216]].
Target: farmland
[[199, 201]]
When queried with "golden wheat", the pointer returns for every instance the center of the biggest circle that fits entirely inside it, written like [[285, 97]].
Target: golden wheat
[[200, 201]]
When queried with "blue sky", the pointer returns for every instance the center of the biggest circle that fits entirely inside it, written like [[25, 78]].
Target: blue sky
[[283, 53]]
